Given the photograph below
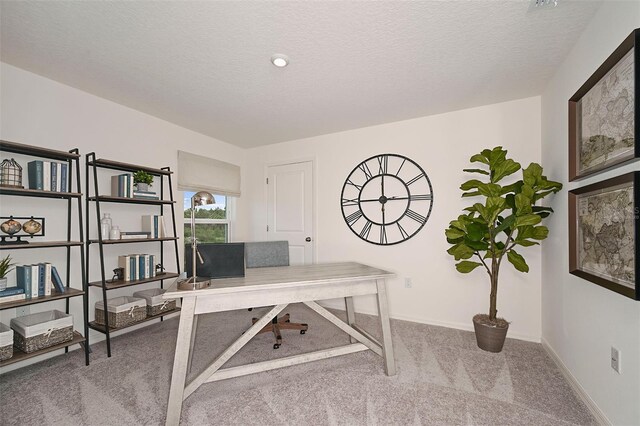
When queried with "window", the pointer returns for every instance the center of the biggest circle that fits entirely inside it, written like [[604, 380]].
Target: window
[[212, 221]]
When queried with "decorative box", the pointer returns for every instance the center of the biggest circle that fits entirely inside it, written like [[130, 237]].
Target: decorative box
[[6, 342], [122, 311], [155, 304], [38, 331]]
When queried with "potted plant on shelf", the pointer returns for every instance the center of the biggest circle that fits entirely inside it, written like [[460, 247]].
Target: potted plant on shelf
[[5, 268], [142, 180], [506, 217]]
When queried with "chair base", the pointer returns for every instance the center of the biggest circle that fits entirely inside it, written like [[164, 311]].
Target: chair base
[[282, 323]]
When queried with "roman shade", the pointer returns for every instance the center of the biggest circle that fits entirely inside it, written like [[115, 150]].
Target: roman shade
[[196, 172]]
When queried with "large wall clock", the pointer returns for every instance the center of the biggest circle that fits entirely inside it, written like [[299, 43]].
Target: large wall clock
[[386, 199]]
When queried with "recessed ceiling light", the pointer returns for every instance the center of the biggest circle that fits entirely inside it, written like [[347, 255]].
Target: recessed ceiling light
[[279, 60]]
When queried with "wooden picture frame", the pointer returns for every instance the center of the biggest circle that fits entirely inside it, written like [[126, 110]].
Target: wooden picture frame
[[601, 137], [604, 223]]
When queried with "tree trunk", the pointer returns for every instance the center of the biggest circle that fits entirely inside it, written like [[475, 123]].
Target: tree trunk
[[493, 296]]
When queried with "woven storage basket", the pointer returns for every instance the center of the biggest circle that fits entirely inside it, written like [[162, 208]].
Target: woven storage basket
[[38, 331], [122, 311], [6, 342], [156, 305]]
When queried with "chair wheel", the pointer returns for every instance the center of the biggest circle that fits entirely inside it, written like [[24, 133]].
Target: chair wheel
[[276, 346], [303, 331]]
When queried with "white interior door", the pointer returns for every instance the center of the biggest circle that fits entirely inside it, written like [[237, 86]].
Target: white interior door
[[290, 209]]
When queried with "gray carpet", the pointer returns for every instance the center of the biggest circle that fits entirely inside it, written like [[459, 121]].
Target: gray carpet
[[443, 378]]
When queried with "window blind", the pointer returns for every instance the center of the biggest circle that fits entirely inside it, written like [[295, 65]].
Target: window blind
[[196, 172]]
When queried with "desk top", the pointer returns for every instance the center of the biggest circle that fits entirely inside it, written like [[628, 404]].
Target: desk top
[[285, 276]]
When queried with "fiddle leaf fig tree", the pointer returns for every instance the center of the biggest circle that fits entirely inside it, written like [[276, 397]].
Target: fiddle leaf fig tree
[[504, 218]]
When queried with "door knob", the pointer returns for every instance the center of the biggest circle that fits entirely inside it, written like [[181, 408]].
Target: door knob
[[308, 239]]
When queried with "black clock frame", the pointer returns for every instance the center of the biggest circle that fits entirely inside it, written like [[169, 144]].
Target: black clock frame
[[383, 171]]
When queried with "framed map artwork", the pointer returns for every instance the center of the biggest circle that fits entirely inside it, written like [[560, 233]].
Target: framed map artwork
[[603, 119], [603, 233]]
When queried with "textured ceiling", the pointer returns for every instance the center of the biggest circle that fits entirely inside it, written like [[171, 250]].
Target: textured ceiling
[[205, 65]]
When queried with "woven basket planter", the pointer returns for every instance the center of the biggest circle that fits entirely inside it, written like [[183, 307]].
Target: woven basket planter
[[6, 342], [122, 311], [156, 305], [42, 330]]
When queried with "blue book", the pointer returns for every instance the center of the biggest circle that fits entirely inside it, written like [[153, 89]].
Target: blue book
[[155, 226], [57, 282], [63, 177], [23, 279], [141, 268], [152, 266], [11, 291], [36, 180], [54, 176], [40, 279], [132, 268]]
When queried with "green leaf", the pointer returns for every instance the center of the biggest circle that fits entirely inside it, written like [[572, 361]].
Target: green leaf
[[540, 232], [523, 205], [454, 233], [470, 194], [507, 223], [532, 174], [513, 188], [467, 266], [461, 251], [479, 158], [476, 245], [490, 190], [526, 243], [471, 184], [504, 168], [482, 172], [517, 261], [530, 219], [476, 231]]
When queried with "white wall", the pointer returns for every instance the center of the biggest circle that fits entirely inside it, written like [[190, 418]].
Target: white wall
[[580, 320], [442, 145], [39, 111]]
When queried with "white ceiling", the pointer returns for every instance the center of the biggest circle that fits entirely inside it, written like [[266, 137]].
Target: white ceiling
[[206, 65]]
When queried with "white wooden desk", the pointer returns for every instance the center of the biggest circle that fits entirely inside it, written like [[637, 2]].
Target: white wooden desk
[[277, 286]]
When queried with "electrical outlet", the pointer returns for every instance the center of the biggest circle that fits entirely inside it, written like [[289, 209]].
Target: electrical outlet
[[615, 359], [408, 283], [22, 311]]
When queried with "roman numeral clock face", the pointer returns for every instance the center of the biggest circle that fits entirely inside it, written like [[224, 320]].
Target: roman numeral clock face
[[387, 199]]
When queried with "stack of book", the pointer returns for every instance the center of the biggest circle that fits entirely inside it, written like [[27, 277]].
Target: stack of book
[[154, 224], [48, 175], [122, 185], [137, 266], [145, 195], [38, 280], [11, 294], [134, 235]]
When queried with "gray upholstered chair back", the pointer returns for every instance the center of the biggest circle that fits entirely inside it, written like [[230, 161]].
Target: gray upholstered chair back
[[262, 254]]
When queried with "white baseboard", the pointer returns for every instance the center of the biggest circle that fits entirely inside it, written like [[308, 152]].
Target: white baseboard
[[600, 417]]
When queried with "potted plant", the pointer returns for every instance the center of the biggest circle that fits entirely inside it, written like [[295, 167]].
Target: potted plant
[[142, 180], [5, 268], [506, 217]]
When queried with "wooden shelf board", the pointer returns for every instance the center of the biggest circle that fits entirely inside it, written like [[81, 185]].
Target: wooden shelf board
[[133, 240], [18, 148], [121, 284], [71, 292], [129, 200], [98, 327], [41, 244], [127, 167], [18, 355], [24, 192]]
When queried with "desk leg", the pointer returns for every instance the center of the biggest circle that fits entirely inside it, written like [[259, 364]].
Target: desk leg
[[383, 312], [179, 373], [351, 315], [192, 342]]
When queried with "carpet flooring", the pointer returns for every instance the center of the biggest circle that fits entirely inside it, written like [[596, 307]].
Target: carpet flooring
[[443, 379]]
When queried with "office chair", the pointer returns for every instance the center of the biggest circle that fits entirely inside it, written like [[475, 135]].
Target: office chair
[[263, 254]]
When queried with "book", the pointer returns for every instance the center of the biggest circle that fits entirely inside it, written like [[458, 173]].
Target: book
[[152, 266], [46, 175], [133, 237], [135, 262], [11, 291], [47, 279], [35, 278], [116, 186], [57, 282], [40, 279], [154, 224], [23, 279], [34, 169], [63, 177], [145, 197], [13, 298], [137, 191], [124, 263], [54, 177], [142, 267]]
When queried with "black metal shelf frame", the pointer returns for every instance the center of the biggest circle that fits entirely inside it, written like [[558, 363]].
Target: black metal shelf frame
[[72, 158], [92, 166]]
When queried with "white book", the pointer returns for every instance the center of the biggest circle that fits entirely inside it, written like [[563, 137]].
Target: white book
[[123, 262], [46, 175], [13, 298], [35, 276], [147, 266], [59, 178], [47, 279]]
